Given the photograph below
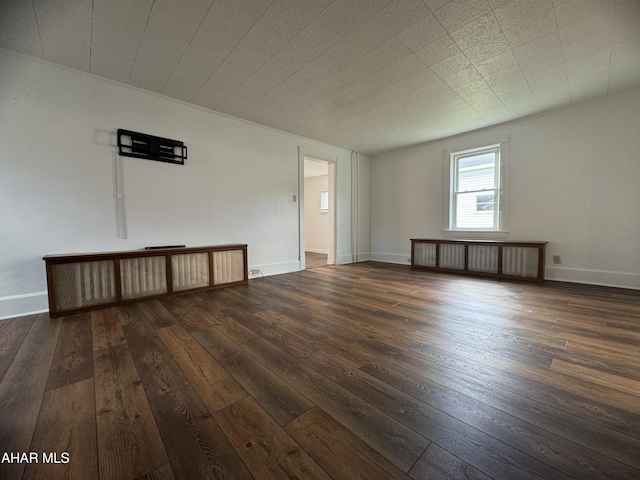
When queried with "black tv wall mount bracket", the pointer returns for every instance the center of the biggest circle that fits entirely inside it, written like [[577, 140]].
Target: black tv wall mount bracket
[[140, 145]]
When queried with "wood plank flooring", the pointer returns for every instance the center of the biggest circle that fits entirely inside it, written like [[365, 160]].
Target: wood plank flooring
[[366, 371]]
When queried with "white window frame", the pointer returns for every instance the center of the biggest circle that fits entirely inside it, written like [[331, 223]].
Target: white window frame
[[499, 229]]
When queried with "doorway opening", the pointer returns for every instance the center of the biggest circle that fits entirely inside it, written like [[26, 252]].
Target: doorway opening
[[319, 210]]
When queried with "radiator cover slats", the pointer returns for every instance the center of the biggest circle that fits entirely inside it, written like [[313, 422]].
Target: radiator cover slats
[[517, 260], [84, 282]]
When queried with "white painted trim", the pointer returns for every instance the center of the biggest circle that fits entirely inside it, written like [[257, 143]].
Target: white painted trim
[[310, 152], [398, 258], [344, 259], [22, 305], [593, 277], [317, 250], [475, 234], [279, 268]]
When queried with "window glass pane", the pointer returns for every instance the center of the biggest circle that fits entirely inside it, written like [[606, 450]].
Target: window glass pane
[[484, 203], [324, 201], [468, 215], [476, 172]]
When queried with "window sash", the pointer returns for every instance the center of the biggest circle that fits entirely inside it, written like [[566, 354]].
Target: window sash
[[456, 193]]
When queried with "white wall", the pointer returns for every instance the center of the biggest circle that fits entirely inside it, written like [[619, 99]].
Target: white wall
[[362, 165], [574, 180], [57, 145], [316, 223]]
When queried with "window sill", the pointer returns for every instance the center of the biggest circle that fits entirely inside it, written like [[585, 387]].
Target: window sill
[[476, 234]]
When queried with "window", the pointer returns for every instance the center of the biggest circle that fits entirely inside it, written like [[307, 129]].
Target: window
[[324, 202], [476, 190]]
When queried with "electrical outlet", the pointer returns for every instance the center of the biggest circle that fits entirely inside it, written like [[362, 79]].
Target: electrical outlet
[[255, 272], [557, 260], [294, 198]]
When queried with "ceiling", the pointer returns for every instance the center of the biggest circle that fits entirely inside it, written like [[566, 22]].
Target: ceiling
[[366, 75]]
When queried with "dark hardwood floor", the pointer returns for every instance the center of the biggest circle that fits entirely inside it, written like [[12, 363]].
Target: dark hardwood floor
[[361, 371], [314, 260]]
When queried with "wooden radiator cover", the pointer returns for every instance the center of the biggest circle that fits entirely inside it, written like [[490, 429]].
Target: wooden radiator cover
[[513, 260], [87, 281]]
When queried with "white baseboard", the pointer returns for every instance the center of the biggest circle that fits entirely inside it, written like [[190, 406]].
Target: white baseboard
[[268, 269], [363, 257], [593, 277], [21, 305], [399, 258]]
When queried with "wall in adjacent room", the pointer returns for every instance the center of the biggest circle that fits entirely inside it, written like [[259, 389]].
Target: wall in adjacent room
[[316, 223], [57, 150], [574, 181]]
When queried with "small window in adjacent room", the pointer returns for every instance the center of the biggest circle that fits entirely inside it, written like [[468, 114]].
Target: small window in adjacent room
[[476, 187], [324, 202]]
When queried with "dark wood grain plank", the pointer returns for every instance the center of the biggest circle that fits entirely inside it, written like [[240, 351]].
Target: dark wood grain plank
[[438, 464], [195, 444], [106, 330], [165, 472], [158, 371], [22, 389], [73, 359], [129, 443], [283, 401], [396, 442], [66, 425], [215, 386], [12, 334], [266, 449], [337, 450]]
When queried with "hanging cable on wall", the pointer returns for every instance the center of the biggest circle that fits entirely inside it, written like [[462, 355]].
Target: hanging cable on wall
[[118, 196]]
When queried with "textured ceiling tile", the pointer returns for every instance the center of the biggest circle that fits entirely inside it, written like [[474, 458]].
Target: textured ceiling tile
[[437, 51], [233, 105], [520, 102], [401, 14], [258, 45], [229, 75], [517, 12], [210, 95], [458, 13], [19, 28], [507, 80], [169, 30], [118, 26], [255, 87], [436, 4], [543, 61], [627, 20], [480, 30], [254, 8], [185, 81], [558, 96], [585, 46], [544, 44], [530, 29], [496, 63], [466, 82], [548, 78], [288, 17], [484, 100], [422, 33], [595, 25], [65, 30], [578, 10], [451, 65], [497, 3], [220, 32], [483, 51], [342, 16], [316, 38], [310, 75]]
